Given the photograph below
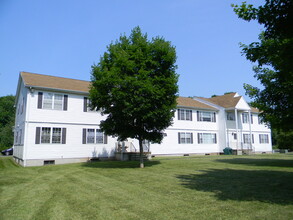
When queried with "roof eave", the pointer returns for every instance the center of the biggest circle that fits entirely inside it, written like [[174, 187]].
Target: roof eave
[[210, 109], [56, 89]]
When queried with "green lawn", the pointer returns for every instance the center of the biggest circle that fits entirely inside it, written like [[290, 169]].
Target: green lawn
[[202, 187]]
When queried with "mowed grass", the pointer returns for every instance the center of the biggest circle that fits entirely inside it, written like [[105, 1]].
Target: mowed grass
[[201, 187]]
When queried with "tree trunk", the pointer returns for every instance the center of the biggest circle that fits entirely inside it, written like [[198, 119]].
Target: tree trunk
[[141, 153]]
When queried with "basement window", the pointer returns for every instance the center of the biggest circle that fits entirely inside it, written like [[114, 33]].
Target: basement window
[[49, 162]]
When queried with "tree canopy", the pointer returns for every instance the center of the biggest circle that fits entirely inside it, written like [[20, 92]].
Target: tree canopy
[[274, 60], [135, 84], [7, 115]]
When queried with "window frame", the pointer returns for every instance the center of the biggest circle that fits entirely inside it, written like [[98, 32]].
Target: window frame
[[183, 139], [184, 114], [202, 140], [53, 101], [246, 138], [97, 136], [47, 135], [230, 116], [264, 139], [202, 116]]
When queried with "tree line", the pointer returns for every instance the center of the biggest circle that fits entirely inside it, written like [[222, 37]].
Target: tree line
[[7, 118]]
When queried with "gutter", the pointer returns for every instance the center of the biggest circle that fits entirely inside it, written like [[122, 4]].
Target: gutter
[[56, 89]]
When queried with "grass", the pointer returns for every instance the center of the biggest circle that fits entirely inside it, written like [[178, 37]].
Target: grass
[[202, 187]]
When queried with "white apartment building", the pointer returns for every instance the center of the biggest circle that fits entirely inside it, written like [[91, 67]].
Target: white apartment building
[[54, 125]]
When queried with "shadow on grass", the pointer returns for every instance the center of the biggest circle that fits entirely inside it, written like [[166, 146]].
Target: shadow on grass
[[119, 164], [259, 162], [243, 185]]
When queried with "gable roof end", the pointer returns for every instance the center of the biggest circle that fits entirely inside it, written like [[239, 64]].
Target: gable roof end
[[229, 100]]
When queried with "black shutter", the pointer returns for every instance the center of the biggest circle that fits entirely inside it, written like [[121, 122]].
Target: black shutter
[[83, 136], [65, 102], [215, 117], [105, 139], [179, 138], [178, 110], [259, 137], [198, 138], [215, 138], [190, 115], [63, 135], [252, 138], [38, 135], [40, 99], [191, 134], [85, 104], [197, 112], [251, 116]]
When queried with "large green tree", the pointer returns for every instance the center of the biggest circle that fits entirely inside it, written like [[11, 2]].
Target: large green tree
[[274, 60], [7, 114], [135, 84]]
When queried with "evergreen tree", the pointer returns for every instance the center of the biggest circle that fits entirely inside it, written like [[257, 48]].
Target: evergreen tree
[[7, 115]]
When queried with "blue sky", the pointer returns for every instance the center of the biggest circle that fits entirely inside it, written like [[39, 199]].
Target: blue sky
[[65, 37]]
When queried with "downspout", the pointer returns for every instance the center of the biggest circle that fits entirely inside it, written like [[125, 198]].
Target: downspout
[[26, 121], [226, 131], [237, 132], [250, 134]]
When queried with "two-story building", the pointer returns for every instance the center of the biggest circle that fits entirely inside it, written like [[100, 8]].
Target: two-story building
[[54, 125]]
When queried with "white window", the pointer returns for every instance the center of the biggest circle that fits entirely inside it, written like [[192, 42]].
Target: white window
[[207, 138], [58, 101], [184, 114], [245, 117], [90, 137], [46, 135], [263, 138], [20, 136], [206, 116], [16, 138], [53, 101], [52, 135], [99, 137], [246, 138], [185, 138], [260, 119], [230, 116], [22, 105], [56, 136], [94, 136]]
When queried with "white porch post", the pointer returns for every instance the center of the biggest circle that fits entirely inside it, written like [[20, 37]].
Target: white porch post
[[226, 130], [250, 134], [237, 134]]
